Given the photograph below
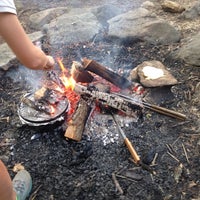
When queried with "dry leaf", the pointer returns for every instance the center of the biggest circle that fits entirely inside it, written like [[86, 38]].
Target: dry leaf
[[192, 184], [18, 167]]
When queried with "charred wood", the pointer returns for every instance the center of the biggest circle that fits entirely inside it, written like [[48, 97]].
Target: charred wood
[[105, 73], [80, 74], [109, 99]]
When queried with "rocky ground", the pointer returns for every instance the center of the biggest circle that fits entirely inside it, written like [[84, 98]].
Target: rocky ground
[[63, 169]]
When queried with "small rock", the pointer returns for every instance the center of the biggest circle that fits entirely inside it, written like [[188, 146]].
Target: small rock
[[173, 7], [153, 74], [148, 4]]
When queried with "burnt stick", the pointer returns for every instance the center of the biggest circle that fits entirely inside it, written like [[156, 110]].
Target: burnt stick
[[109, 99], [124, 103], [158, 109], [100, 70]]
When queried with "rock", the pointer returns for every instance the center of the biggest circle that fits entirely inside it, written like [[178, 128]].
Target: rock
[[170, 6], [148, 5], [79, 25], [106, 12], [140, 24], [39, 19], [160, 32], [154, 74], [192, 12], [7, 56], [133, 75], [19, 5], [190, 51]]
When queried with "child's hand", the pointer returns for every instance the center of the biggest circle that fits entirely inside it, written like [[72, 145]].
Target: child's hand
[[50, 63]]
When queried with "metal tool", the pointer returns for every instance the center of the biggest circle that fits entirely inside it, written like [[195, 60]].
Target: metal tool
[[131, 149], [127, 142]]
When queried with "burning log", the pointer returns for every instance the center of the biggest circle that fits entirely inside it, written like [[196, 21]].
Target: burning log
[[127, 105], [77, 123], [111, 100], [105, 73], [107, 99], [79, 74]]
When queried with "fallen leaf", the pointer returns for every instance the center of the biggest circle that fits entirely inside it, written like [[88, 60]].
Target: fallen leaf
[[18, 167]]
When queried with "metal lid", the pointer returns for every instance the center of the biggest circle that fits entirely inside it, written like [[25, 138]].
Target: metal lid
[[33, 117]]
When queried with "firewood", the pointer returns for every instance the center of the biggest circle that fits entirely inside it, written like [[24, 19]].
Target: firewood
[[105, 73], [80, 74], [76, 124], [109, 99]]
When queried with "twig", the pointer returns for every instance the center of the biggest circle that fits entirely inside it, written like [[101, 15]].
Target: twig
[[117, 185], [174, 157], [7, 119], [180, 124], [189, 135], [154, 159], [185, 153], [170, 149], [124, 177], [176, 140], [152, 178], [34, 194]]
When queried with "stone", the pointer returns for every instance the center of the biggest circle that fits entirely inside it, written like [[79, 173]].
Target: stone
[[79, 25], [106, 12], [148, 5], [39, 19], [140, 24], [190, 52], [191, 13], [171, 6], [154, 74], [7, 57]]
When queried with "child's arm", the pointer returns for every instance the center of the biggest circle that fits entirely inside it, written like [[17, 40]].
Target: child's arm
[[27, 53]]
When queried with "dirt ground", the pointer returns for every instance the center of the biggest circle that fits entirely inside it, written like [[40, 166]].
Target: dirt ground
[[90, 169]]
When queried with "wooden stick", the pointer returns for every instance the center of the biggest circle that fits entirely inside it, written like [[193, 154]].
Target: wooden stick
[[165, 111], [105, 73], [174, 157], [155, 108]]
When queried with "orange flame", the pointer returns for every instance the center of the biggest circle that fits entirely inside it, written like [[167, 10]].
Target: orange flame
[[59, 60], [52, 109], [68, 82]]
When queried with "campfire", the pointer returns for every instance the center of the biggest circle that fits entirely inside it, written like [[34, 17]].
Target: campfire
[[77, 91]]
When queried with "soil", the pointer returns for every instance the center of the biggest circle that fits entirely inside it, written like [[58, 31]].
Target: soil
[[63, 169]]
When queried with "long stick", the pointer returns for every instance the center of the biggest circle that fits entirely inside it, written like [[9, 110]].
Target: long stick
[[156, 108], [165, 111]]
